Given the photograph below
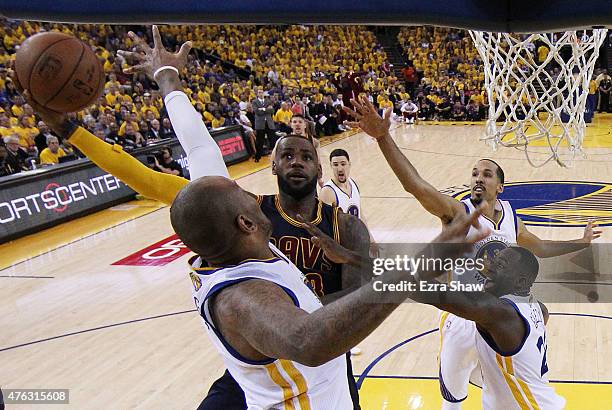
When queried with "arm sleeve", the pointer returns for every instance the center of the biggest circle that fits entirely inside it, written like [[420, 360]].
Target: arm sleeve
[[202, 151], [112, 159]]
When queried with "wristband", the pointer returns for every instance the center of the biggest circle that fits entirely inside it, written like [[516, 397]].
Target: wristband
[[166, 67]]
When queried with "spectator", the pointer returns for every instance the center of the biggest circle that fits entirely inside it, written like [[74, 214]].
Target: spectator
[[154, 133], [218, 121], [473, 111], [443, 109], [283, 117], [264, 124], [5, 124], [409, 111], [16, 156], [41, 139], [167, 131], [458, 112], [26, 133], [249, 132], [163, 162], [5, 168], [148, 106], [605, 86], [112, 137], [132, 138], [327, 117], [53, 152]]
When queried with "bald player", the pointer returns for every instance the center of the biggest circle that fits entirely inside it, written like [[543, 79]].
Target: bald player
[[280, 344], [458, 355], [296, 166]]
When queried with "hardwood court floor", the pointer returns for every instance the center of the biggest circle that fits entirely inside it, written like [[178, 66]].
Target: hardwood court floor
[[123, 337]]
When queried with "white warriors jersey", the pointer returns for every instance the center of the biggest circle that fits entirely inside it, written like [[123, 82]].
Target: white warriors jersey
[[273, 383], [350, 204], [503, 234], [518, 380]]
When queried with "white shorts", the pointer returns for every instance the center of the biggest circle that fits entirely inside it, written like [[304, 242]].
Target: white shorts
[[458, 356]]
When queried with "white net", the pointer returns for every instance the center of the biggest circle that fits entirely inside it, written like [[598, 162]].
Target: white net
[[537, 86]]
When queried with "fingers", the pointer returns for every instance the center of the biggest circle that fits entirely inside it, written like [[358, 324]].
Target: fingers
[[134, 69], [157, 41], [131, 55], [312, 229], [368, 104], [140, 43], [352, 113], [352, 124], [358, 107], [185, 49]]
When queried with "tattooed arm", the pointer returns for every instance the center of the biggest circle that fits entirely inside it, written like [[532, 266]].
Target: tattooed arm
[[260, 321], [354, 235]]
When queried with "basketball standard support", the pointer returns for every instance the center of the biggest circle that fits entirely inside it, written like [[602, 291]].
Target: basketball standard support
[[487, 15]]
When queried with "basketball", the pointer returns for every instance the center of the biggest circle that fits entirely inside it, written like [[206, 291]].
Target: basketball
[[61, 72]]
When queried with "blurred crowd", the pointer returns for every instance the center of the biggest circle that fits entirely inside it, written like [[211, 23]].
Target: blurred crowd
[[255, 77]]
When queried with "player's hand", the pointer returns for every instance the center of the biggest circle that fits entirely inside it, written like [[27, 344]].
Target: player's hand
[[333, 250], [367, 118], [148, 59], [591, 232], [456, 231], [53, 119]]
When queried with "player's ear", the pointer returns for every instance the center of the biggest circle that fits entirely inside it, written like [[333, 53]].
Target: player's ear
[[319, 172], [273, 168], [500, 188], [246, 224]]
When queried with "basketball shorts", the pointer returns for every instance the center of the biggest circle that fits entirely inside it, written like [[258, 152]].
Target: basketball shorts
[[458, 357]]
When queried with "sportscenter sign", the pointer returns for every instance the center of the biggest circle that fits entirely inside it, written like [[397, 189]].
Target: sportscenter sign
[[35, 200], [48, 199]]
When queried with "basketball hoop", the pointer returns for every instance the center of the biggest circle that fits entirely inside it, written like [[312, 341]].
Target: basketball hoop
[[535, 100]]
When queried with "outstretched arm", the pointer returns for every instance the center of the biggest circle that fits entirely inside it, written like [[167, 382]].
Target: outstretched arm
[[112, 158], [547, 249], [203, 154], [260, 320], [368, 119]]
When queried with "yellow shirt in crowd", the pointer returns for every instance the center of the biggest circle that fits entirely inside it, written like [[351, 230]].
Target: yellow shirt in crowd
[[48, 157]]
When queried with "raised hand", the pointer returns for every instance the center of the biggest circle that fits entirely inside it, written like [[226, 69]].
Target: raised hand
[[148, 59], [456, 231], [591, 232], [368, 119]]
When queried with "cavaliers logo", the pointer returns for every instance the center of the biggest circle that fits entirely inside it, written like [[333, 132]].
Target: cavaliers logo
[[555, 203]]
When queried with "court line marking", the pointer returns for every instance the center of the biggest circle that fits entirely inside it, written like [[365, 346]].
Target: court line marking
[[370, 366], [26, 277], [81, 238], [97, 328], [436, 378]]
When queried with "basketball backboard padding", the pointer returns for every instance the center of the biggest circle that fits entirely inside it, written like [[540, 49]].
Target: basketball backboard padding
[[488, 15]]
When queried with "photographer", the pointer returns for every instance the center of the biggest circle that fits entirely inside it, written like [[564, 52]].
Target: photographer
[[162, 161]]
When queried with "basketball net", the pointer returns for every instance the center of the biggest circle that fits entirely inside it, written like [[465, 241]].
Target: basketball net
[[527, 102]]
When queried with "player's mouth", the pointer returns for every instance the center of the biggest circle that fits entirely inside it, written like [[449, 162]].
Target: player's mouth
[[478, 189], [297, 176]]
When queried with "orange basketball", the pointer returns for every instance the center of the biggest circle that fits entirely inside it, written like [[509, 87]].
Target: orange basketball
[[60, 72]]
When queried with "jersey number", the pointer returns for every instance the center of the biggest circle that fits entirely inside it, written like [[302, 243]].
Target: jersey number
[[542, 348]]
